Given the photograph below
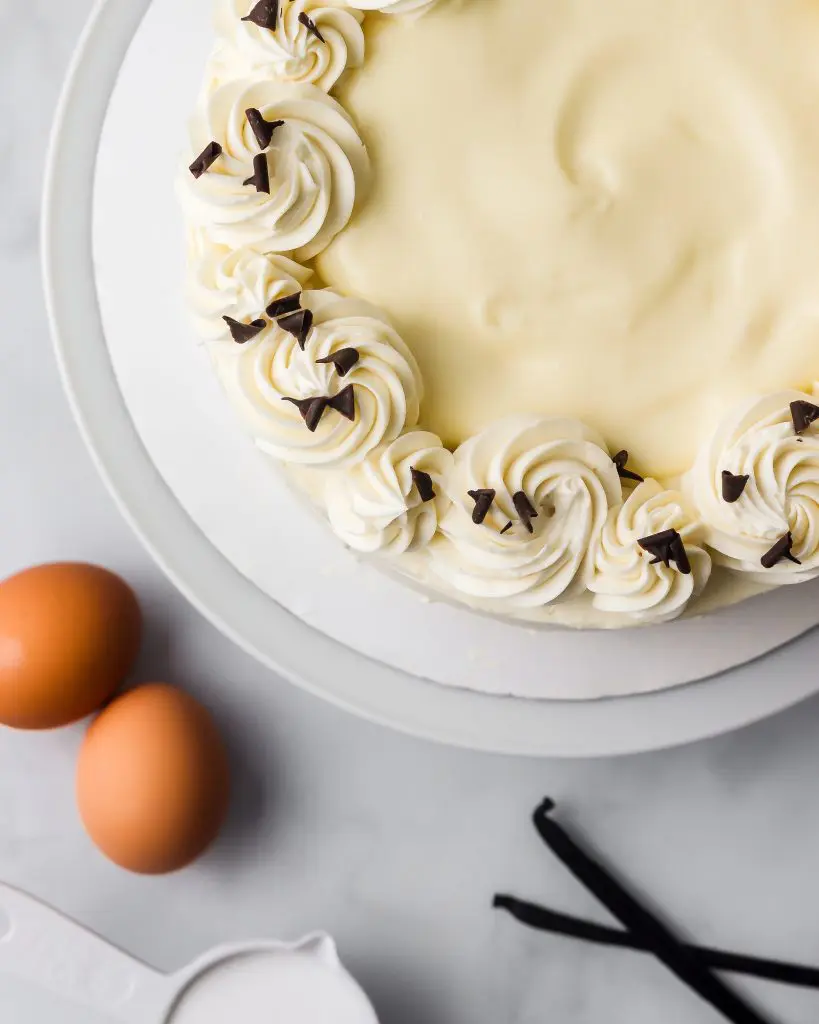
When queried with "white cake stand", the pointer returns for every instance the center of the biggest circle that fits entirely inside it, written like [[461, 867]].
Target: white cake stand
[[239, 545]]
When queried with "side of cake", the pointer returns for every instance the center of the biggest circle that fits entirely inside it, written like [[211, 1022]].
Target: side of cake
[[544, 336]]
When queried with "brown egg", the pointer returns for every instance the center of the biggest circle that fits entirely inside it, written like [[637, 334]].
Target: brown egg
[[153, 780], [69, 634]]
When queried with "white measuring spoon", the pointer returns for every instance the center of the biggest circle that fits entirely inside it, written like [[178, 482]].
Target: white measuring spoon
[[252, 983]]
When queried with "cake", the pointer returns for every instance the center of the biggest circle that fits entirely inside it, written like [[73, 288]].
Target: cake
[[524, 294]]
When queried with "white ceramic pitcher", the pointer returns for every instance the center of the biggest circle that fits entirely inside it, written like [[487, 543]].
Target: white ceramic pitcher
[[244, 983]]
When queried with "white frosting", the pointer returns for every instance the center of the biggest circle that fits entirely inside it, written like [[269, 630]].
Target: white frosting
[[376, 506], [291, 52], [316, 162], [587, 194], [564, 470], [386, 384], [625, 582], [239, 283], [782, 494], [394, 6], [719, 284]]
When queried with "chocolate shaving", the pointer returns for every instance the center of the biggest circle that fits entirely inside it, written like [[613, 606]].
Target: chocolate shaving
[[525, 509], [423, 484], [803, 415], [680, 556], [289, 304], [620, 460], [483, 503], [733, 486], [344, 402], [209, 155], [311, 26], [782, 549], [265, 14], [262, 129], [667, 547], [507, 528], [261, 174], [343, 360], [311, 409], [243, 333], [298, 324]]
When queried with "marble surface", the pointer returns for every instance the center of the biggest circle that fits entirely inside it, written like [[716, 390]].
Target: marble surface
[[394, 845]]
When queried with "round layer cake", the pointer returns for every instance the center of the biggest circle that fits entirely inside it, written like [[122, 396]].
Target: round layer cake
[[524, 294]]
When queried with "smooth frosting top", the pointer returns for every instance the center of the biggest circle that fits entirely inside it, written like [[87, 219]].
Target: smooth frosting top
[[599, 210]]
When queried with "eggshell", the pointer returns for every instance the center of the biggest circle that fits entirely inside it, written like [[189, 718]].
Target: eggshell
[[69, 634], [153, 780]]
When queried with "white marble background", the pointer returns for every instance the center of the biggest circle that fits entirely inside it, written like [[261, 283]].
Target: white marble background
[[394, 845]]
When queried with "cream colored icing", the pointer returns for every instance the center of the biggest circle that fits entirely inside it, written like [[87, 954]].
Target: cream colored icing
[[263, 374], [598, 210], [626, 579], [293, 52], [239, 283], [377, 506], [603, 212], [316, 164], [570, 482], [781, 496]]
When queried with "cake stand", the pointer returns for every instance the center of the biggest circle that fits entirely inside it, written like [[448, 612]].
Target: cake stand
[[239, 545]]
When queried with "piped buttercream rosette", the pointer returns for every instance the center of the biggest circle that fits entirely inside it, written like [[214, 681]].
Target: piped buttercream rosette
[[528, 496], [315, 164], [770, 530], [238, 283], [629, 579], [277, 383], [307, 41], [393, 501]]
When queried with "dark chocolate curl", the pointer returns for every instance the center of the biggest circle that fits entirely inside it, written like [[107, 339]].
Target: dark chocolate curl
[[265, 14], [620, 460], [311, 409], [803, 415], [288, 304], [525, 509], [262, 129], [344, 402], [260, 178], [423, 484], [209, 155], [298, 324], [311, 26], [733, 486], [243, 333], [667, 547], [483, 503], [783, 549], [343, 360], [680, 555]]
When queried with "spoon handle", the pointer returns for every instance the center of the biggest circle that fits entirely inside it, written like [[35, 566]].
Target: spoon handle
[[40, 945]]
